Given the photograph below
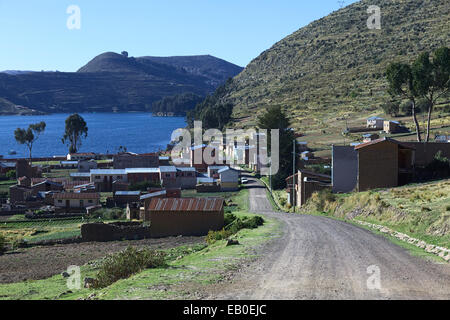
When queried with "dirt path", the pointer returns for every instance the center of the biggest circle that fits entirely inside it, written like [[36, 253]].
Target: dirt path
[[321, 258]]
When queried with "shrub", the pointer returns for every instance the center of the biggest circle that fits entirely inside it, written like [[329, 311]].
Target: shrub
[[109, 214], [229, 218], [214, 236], [11, 174], [440, 166], [2, 244], [126, 263], [232, 226]]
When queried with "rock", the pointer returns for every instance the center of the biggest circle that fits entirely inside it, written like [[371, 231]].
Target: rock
[[89, 282], [65, 274], [232, 242]]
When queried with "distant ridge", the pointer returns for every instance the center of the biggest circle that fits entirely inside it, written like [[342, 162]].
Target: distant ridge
[[114, 82]]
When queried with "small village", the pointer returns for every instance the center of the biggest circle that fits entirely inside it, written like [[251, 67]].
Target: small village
[[158, 152], [150, 188]]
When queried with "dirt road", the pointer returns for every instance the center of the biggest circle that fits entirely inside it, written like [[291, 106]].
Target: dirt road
[[321, 258]]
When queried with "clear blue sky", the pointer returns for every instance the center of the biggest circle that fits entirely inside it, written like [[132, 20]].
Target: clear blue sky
[[34, 35]]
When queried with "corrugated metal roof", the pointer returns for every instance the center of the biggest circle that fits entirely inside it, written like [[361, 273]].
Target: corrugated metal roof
[[206, 180], [142, 170], [128, 193], [108, 172], [7, 164], [385, 139], [186, 169], [72, 195], [186, 204], [154, 194], [80, 174], [167, 169]]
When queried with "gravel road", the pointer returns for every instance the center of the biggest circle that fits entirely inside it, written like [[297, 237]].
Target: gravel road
[[321, 258]]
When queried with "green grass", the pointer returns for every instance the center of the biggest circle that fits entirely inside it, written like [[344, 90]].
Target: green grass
[[188, 268], [47, 163], [4, 185], [419, 210]]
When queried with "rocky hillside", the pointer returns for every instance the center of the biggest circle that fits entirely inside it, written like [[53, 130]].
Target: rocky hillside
[[335, 66], [113, 82]]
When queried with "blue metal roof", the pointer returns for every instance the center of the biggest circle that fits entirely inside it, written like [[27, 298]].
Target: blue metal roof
[[7, 164], [108, 171], [142, 170], [226, 169], [186, 169], [80, 174], [128, 193], [167, 169]]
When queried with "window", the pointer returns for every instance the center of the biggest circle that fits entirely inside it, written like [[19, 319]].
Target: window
[[59, 201], [90, 201], [97, 177], [81, 203]]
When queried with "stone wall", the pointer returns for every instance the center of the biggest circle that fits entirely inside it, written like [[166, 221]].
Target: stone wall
[[101, 232]]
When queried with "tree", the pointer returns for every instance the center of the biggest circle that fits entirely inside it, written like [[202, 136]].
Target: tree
[[391, 107], [76, 129], [400, 79], [431, 79], [29, 136], [125, 54], [428, 78], [275, 118]]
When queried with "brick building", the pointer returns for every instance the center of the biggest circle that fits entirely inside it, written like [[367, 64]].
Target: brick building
[[184, 216], [133, 160]]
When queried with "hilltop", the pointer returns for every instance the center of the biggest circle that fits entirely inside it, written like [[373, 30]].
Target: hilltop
[[113, 82], [333, 69]]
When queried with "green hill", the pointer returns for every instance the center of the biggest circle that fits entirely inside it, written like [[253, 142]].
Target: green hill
[[334, 68]]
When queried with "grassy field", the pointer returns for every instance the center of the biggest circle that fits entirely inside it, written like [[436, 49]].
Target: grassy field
[[189, 269], [420, 210], [4, 185]]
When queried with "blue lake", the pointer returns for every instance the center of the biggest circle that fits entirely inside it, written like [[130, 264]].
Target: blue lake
[[138, 132]]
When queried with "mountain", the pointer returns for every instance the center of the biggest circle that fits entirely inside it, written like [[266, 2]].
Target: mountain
[[334, 67], [114, 82]]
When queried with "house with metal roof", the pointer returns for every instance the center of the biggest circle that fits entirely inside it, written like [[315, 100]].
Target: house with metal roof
[[184, 216], [73, 200], [375, 123], [382, 163]]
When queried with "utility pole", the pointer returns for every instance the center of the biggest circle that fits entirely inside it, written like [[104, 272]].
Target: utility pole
[[293, 176], [270, 177]]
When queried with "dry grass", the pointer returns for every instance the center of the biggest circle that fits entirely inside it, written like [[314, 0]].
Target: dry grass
[[421, 211]]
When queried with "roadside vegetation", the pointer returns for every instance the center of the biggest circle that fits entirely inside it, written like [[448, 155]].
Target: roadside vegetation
[[421, 211], [175, 273]]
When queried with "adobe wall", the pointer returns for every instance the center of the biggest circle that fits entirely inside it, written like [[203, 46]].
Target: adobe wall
[[378, 166], [166, 224], [100, 232], [425, 152]]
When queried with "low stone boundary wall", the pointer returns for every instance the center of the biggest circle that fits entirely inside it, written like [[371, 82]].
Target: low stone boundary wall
[[207, 189], [444, 253], [101, 232]]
